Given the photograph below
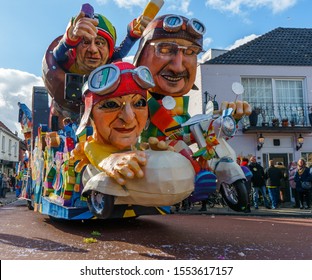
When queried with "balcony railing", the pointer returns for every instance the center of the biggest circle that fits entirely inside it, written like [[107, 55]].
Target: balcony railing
[[280, 115]]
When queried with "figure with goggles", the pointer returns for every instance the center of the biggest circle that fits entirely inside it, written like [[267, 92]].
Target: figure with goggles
[[89, 42], [169, 47], [115, 101]]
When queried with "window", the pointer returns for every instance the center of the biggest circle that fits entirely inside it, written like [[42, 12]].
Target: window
[[308, 158], [3, 144], [277, 99], [258, 90], [15, 149], [267, 90], [289, 91], [10, 146]]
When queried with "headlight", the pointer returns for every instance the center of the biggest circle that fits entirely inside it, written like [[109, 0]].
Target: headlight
[[228, 126]]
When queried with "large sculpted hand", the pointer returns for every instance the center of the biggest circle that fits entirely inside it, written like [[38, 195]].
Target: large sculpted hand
[[80, 27], [156, 145], [240, 108], [78, 154], [137, 26], [123, 166]]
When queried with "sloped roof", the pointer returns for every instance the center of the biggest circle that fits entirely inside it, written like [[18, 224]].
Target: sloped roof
[[2, 125], [281, 46], [5, 128]]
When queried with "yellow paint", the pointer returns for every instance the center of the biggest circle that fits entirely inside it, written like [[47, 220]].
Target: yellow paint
[[129, 213]]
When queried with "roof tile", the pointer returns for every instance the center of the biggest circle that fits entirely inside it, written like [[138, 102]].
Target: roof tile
[[281, 46]]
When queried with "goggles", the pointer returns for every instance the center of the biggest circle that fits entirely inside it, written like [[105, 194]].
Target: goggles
[[171, 49], [174, 23], [106, 79]]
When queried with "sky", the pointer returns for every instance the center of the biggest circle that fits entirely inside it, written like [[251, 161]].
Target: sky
[[28, 27]]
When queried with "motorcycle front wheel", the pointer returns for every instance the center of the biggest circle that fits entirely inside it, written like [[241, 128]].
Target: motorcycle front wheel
[[101, 205], [235, 195]]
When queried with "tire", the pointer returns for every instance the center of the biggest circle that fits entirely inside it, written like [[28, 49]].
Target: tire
[[29, 205], [100, 205], [235, 195], [211, 201]]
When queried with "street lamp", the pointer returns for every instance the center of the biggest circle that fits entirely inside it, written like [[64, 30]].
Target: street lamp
[[260, 142], [300, 141]]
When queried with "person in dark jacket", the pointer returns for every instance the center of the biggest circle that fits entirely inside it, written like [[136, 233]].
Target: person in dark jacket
[[303, 175], [258, 182], [292, 172], [273, 175], [284, 181], [2, 192], [13, 181]]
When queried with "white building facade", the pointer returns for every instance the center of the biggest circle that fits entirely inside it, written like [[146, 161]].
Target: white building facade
[[9, 151], [275, 70]]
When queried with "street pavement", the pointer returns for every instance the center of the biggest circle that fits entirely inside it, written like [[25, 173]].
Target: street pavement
[[10, 197], [286, 210]]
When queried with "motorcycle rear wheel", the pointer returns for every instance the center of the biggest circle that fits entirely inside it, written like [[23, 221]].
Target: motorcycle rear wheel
[[101, 205], [235, 195]]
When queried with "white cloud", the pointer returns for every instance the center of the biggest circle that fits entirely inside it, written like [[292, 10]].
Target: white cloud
[[207, 41], [174, 6], [15, 86], [242, 41], [179, 6], [240, 6], [127, 4]]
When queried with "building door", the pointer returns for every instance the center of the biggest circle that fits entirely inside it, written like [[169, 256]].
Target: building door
[[276, 157], [282, 157], [279, 158]]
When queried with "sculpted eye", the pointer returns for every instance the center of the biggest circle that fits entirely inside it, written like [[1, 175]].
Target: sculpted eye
[[140, 103], [85, 42], [100, 43], [109, 104], [189, 51]]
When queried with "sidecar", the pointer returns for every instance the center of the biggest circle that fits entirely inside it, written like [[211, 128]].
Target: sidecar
[[169, 178]]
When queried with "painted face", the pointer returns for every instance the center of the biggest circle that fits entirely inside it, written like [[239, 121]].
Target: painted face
[[91, 54], [120, 120], [174, 73]]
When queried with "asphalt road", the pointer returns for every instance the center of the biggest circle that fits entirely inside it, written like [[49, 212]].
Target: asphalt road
[[25, 235]]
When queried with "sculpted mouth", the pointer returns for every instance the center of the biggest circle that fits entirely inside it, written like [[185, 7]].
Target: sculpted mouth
[[124, 130], [173, 79], [93, 59]]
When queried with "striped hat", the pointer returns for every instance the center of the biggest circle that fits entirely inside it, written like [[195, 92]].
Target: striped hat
[[107, 31]]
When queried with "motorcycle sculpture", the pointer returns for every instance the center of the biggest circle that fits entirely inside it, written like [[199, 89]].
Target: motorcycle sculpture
[[210, 127]]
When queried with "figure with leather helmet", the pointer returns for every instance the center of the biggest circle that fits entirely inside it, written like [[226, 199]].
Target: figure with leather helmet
[[115, 101], [169, 46], [117, 109]]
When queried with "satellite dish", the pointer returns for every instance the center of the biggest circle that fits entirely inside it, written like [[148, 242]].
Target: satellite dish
[[237, 88]]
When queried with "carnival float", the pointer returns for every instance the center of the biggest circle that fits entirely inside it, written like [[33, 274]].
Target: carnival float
[[72, 167]]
